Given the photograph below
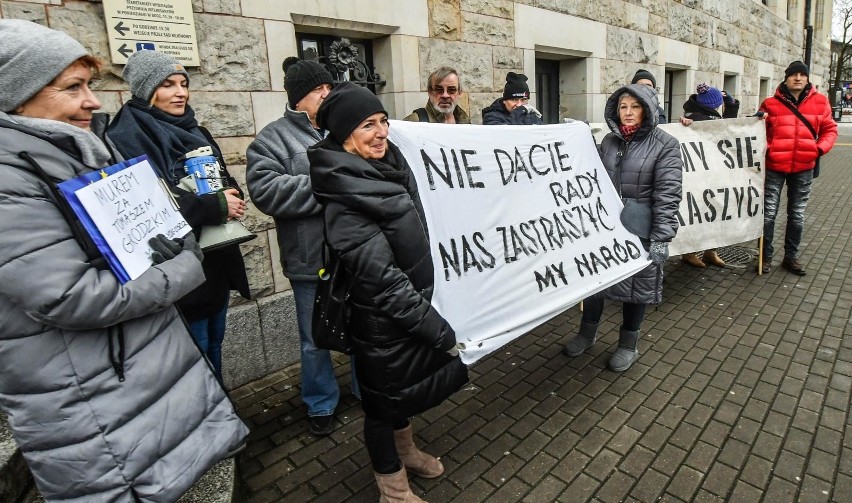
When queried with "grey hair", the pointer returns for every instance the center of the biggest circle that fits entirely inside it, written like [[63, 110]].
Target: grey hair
[[624, 95], [441, 74]]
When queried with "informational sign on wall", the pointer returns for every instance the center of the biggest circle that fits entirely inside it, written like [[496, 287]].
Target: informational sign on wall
[[167, 26]]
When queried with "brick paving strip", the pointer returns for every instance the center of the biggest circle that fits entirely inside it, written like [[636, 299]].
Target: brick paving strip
[[742, 393]]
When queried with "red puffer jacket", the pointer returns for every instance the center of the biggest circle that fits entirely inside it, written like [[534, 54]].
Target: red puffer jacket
[[791, 146]]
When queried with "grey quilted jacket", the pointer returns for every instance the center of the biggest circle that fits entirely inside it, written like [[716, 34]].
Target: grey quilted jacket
[[87, 435], [650, 171]]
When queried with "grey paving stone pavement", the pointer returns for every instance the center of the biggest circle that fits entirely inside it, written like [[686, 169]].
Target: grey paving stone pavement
[[741, 394]]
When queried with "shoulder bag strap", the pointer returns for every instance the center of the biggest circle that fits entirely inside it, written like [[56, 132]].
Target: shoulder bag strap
[[799, 115]]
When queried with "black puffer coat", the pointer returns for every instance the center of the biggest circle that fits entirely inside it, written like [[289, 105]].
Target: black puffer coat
[[651, 170], [374, 221]]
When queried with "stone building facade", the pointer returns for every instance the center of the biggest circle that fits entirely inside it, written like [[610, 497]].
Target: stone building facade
[[575, 52]]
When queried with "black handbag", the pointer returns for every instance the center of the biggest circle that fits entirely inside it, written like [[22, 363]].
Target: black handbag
[[331, 305]]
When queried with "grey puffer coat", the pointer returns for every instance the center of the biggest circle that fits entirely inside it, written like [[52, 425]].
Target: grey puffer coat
[[87, 435], [651, 170]]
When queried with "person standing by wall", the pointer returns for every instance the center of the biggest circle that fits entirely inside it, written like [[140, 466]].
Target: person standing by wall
[[799, 130], [105, 392], [646, 78], [445, 88], [278, 180], [405, 351], [158, 122], [645, 165], [703, 106], [513, 108]]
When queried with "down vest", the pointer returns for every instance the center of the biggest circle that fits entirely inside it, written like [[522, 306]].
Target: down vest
[[87, 435], [791, 146], [374, 221], [651, 170]]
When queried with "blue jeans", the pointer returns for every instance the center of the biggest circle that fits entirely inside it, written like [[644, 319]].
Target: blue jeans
[[319, 384], [209, 334], [798, 193]]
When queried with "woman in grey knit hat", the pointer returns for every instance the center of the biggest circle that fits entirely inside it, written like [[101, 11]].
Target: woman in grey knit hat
[[159, 123], [105, 393]]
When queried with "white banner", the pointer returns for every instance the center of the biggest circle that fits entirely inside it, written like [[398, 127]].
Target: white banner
[[722, 182], [523, 223]]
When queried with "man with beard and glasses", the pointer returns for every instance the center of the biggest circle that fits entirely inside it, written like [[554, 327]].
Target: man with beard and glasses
[[444, 86]]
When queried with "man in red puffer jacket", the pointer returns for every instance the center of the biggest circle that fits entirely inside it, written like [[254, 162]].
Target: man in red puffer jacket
[[792, 153]]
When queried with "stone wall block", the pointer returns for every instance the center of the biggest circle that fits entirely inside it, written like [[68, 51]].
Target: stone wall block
[[258, 265], [85, 22], [658, 25], [508, 57], [496, 8], [197, 5], [445, 19], [636, 18], [473, 61], [573, 7], [488, 30], [280, 329], [709, 60], [680, 23], [478, 101], [243, 348], [28, 11], [609, 12], [224, 113], [233, 54], [222, 6], [627, 45]]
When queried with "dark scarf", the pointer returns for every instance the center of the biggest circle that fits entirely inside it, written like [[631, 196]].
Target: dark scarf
[[787, 95], [139, 128], [388, 166], [627, 132]]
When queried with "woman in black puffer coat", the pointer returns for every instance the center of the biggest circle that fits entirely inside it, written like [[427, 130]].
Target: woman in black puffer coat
[[644, 164], [404, 349]]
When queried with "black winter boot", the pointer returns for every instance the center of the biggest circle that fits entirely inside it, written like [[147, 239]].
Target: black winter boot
[[584, 339], [626, 354]]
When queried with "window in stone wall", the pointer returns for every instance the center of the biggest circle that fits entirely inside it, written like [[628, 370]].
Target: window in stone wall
[[764, 90], [547, 89], [348, 59], [667, 96], [731, 86]]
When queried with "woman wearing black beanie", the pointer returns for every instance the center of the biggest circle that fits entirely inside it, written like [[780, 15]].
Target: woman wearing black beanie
[[404, 349]]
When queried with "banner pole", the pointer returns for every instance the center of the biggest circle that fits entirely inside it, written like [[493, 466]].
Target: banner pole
[[760, 256]]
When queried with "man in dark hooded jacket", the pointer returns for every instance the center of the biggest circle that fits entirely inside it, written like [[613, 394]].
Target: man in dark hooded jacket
[[513, 108]]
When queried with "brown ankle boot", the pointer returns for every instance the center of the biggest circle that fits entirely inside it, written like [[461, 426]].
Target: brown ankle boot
[[394, 488], [693, 260], [713, 258], [413, 459]]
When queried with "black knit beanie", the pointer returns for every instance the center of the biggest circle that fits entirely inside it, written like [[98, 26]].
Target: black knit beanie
[[516, 86], [644, 74], [346, 106], [301, 77], [796, 67]]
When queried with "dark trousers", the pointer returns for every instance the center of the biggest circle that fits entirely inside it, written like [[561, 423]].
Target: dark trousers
[[798, 193], [632, 314], [378, 435]]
